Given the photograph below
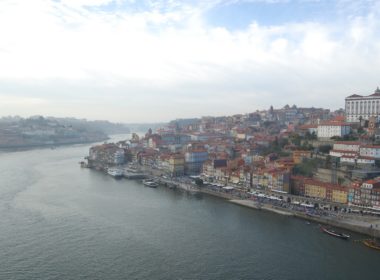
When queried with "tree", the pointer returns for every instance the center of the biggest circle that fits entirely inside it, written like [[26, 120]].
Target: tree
[[340, 180], [310, 136], [328, 161], [296, 139], [307, 167], [283, 142], [199, 182], [325, 148], [360, 130], [135, 137]]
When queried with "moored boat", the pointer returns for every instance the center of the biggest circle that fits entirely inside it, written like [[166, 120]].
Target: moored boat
[[150, 183], [115, 172], [372, 244], [335, 234]]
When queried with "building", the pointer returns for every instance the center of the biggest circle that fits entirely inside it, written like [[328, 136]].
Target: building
[[106, 155], [315, 189], [329, 129], [177, 165], [195, 156], [370, 151], [360, 107], [299, 155], [356, 153], [215, 170], [367, 195], [319, 190], [351, 146], [308, 128], [278, 180]]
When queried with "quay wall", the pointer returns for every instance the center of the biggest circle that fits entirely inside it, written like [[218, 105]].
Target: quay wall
[[358, 226], [367, 230]]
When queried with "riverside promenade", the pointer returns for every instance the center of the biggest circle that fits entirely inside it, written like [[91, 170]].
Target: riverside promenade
[[356, 222], [364, 224]]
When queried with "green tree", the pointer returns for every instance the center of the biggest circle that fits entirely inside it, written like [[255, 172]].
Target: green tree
[[325, 149], [328, 161], [199, 182]]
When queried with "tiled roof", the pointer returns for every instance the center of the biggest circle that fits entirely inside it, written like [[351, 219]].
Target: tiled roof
[[348, 142], [344, 151], [333, 123]]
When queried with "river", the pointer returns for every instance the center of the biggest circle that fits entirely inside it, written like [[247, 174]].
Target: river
[[59, 221]]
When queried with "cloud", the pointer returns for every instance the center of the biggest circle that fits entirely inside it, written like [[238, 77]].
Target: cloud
[[9, 100], [88, 3], [166, 55]]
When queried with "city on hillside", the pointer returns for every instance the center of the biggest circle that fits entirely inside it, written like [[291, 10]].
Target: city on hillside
[[323, 156]]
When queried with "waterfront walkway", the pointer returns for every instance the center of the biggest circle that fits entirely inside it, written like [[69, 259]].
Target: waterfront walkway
[[365, 224], [358, 222]]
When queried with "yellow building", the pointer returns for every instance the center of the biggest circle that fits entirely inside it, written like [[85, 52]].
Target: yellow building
[[339, 196], [315, 191], [177, 164]]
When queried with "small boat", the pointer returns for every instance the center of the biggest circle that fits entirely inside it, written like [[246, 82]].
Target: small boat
[[150, 183], [335, 234], [115, 172], [372, 244], [83, 164]]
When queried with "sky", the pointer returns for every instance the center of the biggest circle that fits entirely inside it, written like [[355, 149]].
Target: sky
[[154, 61]]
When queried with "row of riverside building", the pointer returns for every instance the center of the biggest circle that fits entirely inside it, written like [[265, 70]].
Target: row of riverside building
[[258, 151]]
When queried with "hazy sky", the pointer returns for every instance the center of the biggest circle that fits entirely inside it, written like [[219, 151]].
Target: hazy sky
[[142, 60]]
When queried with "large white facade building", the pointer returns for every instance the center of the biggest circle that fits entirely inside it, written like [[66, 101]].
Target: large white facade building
[[362, 107], [331, 128]]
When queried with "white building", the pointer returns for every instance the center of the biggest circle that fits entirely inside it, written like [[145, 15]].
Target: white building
[[356, 152], [362, 107], [332, 128], [345, 148], [370, 151]]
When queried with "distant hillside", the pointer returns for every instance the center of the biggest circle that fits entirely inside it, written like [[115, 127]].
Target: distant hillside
[[143, 127], [41, 131], [99, 125]]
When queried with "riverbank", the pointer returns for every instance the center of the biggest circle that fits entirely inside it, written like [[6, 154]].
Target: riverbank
[[367, 225], [370, 227], [260, 206], [361, 224], [10, 148]]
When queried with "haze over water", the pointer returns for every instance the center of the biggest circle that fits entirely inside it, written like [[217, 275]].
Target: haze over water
[[59, 221]]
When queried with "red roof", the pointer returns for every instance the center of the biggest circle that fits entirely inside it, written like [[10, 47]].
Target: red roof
[[348, 142], [307, 126], [371, 146], [324, 184], [347, 156], [344, 151], [364, 157], [334, 123], [374, 182], [339, 118]]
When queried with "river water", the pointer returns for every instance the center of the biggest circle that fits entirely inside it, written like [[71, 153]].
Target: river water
[[59, 221]]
